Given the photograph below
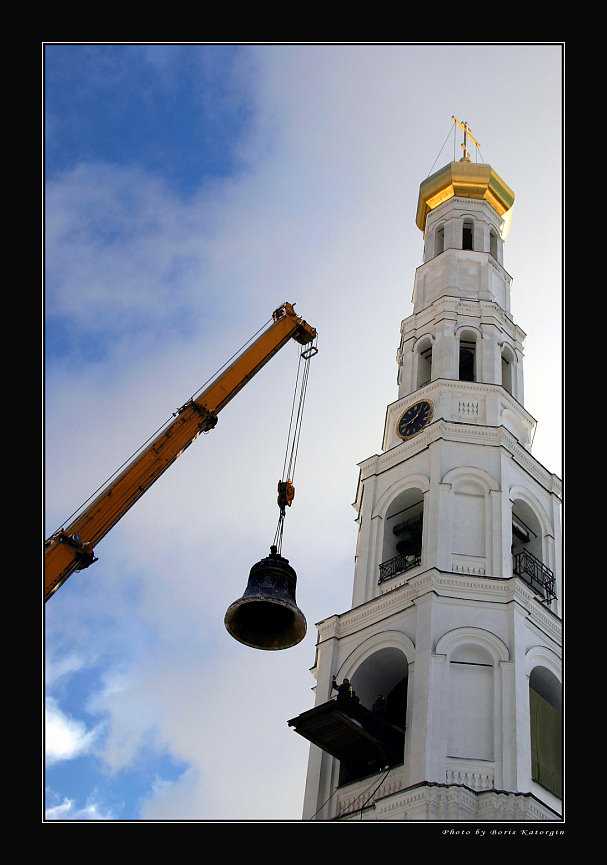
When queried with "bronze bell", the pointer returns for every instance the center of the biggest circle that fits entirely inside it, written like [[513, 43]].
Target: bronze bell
[[266, 616], [408, 544], [409, 535]]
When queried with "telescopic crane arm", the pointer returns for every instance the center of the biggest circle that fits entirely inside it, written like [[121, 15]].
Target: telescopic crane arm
[[72, 548]]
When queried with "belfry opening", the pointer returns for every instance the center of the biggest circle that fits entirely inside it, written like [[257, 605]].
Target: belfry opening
[[363, 725]]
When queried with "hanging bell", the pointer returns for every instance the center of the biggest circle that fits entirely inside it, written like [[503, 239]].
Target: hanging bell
[[408, 545], [266, 616], [409, 535]]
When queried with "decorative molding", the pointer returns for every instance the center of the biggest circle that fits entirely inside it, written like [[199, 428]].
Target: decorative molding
[[469, 776], [483, 309], [468, 408], [544, 656], [469, 565], [495, 587], [355, 796], [452, 802], [470, 635]]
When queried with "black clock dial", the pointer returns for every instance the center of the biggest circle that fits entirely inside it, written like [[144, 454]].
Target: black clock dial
[[414, 419]]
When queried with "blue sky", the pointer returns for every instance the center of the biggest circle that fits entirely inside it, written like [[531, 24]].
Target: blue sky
[[191, 189], [172, 110]]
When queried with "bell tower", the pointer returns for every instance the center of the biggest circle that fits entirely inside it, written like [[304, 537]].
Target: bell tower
[[456, 608]]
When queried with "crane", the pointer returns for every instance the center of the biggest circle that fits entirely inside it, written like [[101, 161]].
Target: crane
[[72, 549]]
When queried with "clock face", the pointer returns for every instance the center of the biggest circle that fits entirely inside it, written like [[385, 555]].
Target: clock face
[[414, 419]]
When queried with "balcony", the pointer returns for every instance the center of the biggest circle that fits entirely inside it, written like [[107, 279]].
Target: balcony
[[398, 565], [362, 740], [525, 565], [535, 573]]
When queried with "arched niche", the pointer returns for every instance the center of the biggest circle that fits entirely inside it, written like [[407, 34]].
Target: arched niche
[[471, 516], [453, 642], [472, 686]]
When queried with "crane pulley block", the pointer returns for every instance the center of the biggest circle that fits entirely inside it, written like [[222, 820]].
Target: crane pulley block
[[286, 494]]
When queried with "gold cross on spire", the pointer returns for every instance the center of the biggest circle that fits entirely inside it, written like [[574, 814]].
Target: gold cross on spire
[[466, 128]]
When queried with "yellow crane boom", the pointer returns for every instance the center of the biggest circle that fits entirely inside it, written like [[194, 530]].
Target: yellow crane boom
[[72, 548]]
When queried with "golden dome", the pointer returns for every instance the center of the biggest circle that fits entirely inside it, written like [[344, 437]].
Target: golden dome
[[464, 180]]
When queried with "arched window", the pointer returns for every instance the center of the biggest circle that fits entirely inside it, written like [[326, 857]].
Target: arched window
[[546, 730], [439, 240], [383, 674], [508, 369], [493, 244], [527, 550], [467, 235], [526, 529], [402, 543], [467, 356], [424, 362], [362, 732]]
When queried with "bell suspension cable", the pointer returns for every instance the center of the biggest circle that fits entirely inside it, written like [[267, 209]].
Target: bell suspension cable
[[286, 489], [284, 467]]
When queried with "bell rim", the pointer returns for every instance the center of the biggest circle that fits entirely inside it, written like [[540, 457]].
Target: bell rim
[[297, 613]]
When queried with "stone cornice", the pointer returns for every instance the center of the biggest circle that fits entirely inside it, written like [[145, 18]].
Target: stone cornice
[[370, 613], [432, 801], [443, 584], [536, 611], [468, 204], [456, 431], [454, 304]]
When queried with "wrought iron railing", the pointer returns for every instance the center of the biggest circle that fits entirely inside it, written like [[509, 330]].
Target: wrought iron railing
[[535, 573], [398, 564], [525, 565]]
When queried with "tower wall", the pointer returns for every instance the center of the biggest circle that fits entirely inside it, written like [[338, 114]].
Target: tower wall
[[457, 593]]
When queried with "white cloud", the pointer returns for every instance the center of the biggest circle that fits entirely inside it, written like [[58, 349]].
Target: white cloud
[[208, 717], [58, 667], [65, 737], [68, 810]]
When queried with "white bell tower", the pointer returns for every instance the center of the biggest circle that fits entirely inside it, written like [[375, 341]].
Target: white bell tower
[[456, 607]]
